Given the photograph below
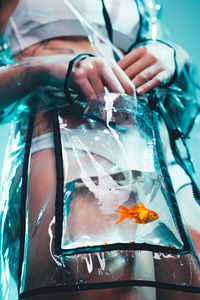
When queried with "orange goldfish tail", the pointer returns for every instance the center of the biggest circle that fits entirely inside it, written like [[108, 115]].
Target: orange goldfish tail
[[121, 209], [121, 219], [124, 213]]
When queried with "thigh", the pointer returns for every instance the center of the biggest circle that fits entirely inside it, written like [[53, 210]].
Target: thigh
[[128, 293], [175, 295]]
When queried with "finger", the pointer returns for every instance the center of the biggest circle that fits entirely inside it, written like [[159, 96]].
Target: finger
[[140, 65], [111, 81], [83, 86], [146, 75], [132, 57], [156, 81], [96, 84], [126, 83]]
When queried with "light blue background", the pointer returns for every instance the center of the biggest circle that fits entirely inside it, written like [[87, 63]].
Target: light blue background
[[182, 19]]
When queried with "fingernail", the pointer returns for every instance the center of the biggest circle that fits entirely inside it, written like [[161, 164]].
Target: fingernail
[[140, 90]]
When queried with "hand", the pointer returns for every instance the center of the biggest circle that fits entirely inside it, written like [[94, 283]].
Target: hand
[[92, 75], [89, 77], [149, 66]]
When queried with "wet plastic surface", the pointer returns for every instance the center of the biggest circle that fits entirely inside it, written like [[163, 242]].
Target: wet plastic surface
[[75, 240], [102, 180]]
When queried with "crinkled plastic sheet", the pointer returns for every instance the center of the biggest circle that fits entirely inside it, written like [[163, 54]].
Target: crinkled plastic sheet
[[114, 161], [10, 208], [44, 98]]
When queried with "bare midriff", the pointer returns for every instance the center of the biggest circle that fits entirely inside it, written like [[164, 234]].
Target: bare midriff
[[61, 45]]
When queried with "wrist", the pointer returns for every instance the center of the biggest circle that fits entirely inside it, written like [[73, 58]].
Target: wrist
[[34, 76]]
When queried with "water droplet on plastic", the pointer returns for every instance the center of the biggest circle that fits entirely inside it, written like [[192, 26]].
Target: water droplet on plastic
[[174, 274], [156, 256], [158, 7], [100, 272]]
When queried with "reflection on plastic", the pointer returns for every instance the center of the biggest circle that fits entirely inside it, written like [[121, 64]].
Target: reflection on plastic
[[112, 161]]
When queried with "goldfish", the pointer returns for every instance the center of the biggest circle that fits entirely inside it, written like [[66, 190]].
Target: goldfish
[[141, 214]]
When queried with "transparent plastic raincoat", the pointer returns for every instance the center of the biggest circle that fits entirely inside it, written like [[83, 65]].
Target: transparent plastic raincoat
[[87, 201]]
